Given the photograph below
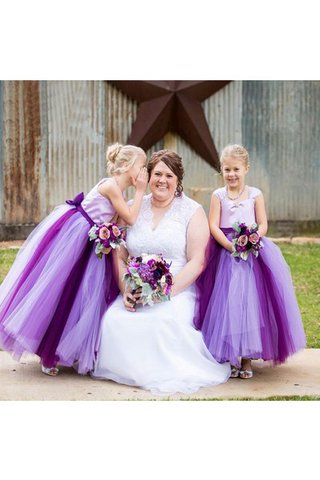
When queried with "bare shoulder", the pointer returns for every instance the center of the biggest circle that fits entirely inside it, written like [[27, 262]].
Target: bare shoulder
[[107, 188]]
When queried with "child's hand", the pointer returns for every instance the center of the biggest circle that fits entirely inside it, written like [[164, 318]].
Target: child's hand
[[230, 247], [141, 181]]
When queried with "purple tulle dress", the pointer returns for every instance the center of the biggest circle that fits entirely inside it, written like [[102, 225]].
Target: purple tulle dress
[[54, 296], [247, 308]]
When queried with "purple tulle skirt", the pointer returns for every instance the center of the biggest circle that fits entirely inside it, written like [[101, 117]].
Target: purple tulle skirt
[[248, 308], [53, 298]]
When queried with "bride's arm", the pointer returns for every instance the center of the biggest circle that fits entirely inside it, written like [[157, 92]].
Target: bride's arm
[[197, 240]]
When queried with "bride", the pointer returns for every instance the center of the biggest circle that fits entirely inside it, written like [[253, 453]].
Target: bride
[[158, 348]]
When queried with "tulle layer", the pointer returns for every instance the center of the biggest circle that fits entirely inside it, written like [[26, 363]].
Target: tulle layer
[[53, 299], [248, 308]]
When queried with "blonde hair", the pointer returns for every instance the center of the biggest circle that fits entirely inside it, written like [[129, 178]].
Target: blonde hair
[[233, 151], [120, 158]]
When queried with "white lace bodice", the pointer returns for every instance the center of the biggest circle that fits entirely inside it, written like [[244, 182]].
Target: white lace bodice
[[169, 238]]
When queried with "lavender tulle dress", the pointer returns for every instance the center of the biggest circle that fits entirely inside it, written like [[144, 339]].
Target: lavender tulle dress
[[54, 296], [247, 308]]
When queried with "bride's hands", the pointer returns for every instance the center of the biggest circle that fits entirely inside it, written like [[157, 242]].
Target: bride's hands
[[130, 300]]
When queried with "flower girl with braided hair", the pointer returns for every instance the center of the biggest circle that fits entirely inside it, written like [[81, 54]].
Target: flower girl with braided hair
[[247, 305], [55, 294]]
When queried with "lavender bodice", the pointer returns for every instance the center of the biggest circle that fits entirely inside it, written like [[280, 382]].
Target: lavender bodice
[[98, 207], [232, 211]]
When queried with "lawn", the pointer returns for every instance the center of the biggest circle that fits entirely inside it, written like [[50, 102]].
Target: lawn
[[304, 261]]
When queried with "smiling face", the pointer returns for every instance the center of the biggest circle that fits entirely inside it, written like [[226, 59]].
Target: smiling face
[[163, 182], [234, 171]]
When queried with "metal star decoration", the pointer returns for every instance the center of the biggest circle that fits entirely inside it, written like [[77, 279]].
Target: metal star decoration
[[172, 106]]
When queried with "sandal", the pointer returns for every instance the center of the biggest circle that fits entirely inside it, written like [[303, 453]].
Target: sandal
[[245, 374], [234, 372], [52, 372]]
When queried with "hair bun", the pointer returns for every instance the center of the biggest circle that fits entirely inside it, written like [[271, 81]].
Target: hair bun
[[113, 151]]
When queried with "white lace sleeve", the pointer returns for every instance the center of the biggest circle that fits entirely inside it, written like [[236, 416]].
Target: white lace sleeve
[[184, 209]]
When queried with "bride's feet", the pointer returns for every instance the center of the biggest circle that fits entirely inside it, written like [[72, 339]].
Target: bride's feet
[[246, 369], [52, 372]]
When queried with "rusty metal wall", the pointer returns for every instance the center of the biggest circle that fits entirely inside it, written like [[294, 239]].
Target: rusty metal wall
[[121, 113], [74, 119], [20, 152], [281, 129], [223, 113], [54, 135], [1, 154]]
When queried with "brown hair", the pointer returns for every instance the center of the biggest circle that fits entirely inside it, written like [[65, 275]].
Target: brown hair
[[172, 161]]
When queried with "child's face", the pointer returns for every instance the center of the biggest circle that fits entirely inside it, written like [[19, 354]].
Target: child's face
[[234, 171]]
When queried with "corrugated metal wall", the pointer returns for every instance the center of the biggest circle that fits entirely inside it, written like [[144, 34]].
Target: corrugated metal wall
[[75, 113], [54, 135], [20, 159], [281, 129]]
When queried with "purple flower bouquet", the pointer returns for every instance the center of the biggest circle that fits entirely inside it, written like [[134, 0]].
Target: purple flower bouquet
[[107, 236], [245, 240], [152, 274]]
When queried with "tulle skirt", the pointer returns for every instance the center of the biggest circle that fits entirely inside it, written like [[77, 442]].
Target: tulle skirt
[[53, 298], [248, 308]]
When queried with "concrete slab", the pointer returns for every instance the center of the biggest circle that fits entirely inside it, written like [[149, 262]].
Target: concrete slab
[[24, 381]]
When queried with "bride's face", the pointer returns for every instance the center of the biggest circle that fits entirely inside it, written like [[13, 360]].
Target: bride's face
[[163, 182]]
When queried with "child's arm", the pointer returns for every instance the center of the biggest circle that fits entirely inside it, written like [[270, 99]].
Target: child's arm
[[111, 191], [261, 215], [214, 222]]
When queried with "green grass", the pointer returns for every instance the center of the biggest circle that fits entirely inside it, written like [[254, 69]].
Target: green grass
[[6, 260], [304, 262]]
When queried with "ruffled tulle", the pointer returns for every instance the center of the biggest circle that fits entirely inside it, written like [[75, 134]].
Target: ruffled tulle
[[248, 308], [53, 299]]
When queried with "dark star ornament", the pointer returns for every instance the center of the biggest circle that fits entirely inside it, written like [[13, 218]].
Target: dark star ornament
[[172, 106]]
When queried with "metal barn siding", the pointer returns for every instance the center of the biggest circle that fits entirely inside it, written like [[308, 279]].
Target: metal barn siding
[[280, 128], [76, 137], [223, 114], [121, 113], [21, 152], [1, 155]]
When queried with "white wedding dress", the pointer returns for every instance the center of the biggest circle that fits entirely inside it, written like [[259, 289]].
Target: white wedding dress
[[158, 348]]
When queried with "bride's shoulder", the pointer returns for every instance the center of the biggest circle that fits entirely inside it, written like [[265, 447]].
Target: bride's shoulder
[[186, 207]]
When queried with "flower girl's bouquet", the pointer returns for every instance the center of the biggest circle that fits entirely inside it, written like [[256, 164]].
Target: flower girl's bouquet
[[107, 236], [246, 240], [151, 274]]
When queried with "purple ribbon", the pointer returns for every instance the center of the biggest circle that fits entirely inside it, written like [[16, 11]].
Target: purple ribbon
[[76, 202]]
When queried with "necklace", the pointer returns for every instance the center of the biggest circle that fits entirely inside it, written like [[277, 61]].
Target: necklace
[[235, 198]]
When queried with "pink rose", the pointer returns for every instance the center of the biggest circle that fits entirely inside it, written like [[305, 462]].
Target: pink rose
[[254, 238], [242, 240], [116, 232], [104, 233]]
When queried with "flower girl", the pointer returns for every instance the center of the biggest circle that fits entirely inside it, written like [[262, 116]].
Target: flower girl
[[55, 294], [247, 306]]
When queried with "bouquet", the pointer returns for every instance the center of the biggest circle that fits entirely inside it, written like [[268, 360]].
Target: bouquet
[[246, 240], [107, 236], [152, 274]]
